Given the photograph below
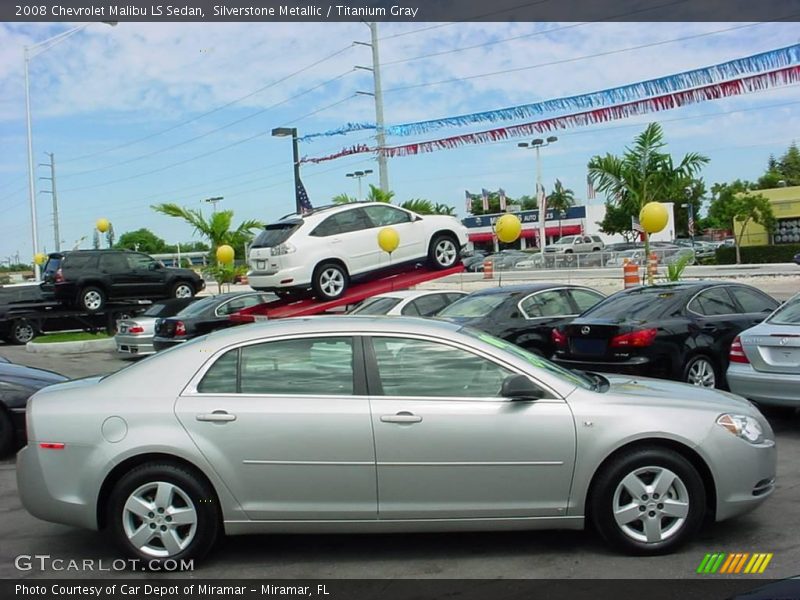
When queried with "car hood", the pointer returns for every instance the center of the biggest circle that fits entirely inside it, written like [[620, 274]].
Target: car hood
[[649, 391]]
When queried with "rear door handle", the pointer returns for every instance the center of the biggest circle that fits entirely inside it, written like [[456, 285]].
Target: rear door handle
[[218, 416], [401, 417]]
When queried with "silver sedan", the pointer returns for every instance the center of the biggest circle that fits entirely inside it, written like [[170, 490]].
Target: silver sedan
[[381, 424], [765, 359]]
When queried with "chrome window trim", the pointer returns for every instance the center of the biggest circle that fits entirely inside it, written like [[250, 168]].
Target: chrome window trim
[[556, 289], [713, 287], [216, 310]]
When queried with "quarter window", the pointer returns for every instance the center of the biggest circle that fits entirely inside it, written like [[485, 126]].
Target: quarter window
[[753, 301], [221, 378], [237, 304], [410, 367]]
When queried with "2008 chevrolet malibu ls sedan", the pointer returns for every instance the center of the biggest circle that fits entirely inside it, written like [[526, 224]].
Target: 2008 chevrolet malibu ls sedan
[[375, 424]]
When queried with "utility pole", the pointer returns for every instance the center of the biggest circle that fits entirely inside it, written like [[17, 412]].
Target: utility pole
[[52, 191], [380, 135]]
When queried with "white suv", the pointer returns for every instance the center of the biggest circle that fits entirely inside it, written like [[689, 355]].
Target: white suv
[[328, 247], [576, 243]]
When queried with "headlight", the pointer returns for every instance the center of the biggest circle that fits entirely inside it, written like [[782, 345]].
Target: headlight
[[280, 249], [742, 426]]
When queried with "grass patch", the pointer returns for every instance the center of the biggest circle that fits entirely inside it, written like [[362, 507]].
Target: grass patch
[[72, 336]]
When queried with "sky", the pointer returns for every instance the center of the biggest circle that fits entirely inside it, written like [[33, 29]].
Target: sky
[[144, 113]]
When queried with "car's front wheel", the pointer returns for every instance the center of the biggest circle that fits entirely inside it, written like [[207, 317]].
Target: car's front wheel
[[330, 281], [161, 511], [91, 299], [182, 289], [648, 501], [443, 251]]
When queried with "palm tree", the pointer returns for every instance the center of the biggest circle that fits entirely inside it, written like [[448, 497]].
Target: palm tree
[[343, 199], [560, 199], [376, 194], [644, 173], [443, 209], [419, 206]]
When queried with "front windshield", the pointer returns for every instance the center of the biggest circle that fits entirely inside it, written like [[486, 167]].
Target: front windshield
[[573, 377], [788, 314], [473, 306]]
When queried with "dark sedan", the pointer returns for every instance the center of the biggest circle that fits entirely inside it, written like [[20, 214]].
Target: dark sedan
[[204, 316], [522, 314], [797, 258], [17, 384], [681, 331]]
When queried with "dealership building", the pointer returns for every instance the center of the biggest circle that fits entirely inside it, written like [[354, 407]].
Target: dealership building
[[785, 202]]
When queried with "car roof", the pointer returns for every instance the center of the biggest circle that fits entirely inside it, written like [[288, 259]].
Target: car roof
[[414, 293], [524, 288], [682, 286], [317, 214]]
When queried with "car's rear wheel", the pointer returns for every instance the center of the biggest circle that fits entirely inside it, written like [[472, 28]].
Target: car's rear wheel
[[648, 501], [330, 281], [7, 438], [182, 289], [443, 251], [700, 371], [21, 332], [91, 299], [162, 511]]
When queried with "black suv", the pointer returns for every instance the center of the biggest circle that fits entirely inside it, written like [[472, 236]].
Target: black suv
[[88, 278]]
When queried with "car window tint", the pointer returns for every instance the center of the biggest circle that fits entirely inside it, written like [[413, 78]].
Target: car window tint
[[474, 306], [221, 377], [426, 305], [114, 263], [715, 301], [454, 298], [639, 303], [343, 222], [322, 366], [80, 261], [53, 264], [238, 304], [753, 301], [552, 303], [585, 299], [380, 216], [376, 306], [140, 262], [409, 367], [410, 309]]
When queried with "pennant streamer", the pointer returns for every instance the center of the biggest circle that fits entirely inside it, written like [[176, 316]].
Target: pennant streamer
[[757, 63], [737, 87]]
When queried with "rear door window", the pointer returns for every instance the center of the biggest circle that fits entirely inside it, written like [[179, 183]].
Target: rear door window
[[114, 263], [714, 302], [343, 222]]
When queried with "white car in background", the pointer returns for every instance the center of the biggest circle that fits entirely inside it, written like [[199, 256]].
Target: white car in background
[[328, 247], [417, 303]]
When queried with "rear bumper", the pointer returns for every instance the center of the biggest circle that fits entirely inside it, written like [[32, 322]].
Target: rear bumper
[[637, 365], [766, 388], [285, 278], [160, 343], [134, 345]]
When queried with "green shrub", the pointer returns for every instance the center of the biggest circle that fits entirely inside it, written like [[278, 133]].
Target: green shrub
[[752, 255]]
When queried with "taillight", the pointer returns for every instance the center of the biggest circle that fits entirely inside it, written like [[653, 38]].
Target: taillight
[[180, 328], [634, 339], [559, 339], [59, 276], [737, 355], [136, 329], [51, 445]]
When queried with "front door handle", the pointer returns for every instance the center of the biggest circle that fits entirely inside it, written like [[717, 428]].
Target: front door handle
[[401, 417], [218, 416]]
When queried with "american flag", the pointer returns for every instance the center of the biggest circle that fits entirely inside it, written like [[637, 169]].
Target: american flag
[[302, 198], [502, 193], [469, 202], [590, 193], [485, 194]]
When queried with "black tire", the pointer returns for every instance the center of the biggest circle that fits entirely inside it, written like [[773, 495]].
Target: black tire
[[182, 289], [443, 251], [193, 541], [91, 299], [21, 332], [330, 281], [675, 526], [702, 368], [8, 438]]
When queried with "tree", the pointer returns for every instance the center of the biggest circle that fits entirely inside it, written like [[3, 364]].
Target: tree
[[419, 206], [617, 220], [110, 235], [644, 173], [560, 199], [783, 171], [343, 199], [749, 207], [376, 194], [723, 196], [443, 209], [142, 240]]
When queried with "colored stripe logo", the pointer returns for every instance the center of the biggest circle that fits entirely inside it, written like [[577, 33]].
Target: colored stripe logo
[[744, 563]]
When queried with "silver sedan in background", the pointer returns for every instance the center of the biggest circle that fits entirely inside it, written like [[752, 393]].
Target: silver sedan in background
[[135, 335], [382, 424], [765, 359]]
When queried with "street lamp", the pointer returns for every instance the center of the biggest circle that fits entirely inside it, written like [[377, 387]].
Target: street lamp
[[213, 202], [285, 132], [537, 144], [359, 175], [29, 52]]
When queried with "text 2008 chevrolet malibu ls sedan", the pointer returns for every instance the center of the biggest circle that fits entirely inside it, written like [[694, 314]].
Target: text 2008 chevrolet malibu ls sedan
[[375, 424]]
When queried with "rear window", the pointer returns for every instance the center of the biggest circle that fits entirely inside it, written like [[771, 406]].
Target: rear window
[[276, 234], [376, 306], [788, 314], [637, 305], [474, 306], [53, 263]]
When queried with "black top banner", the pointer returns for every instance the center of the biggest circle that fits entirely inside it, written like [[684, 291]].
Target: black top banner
[[401, 10]]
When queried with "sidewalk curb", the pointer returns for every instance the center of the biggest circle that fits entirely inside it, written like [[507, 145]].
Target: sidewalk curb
[[81, 347]]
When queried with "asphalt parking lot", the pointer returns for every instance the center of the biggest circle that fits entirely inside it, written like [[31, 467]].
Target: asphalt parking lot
[[774, 527]]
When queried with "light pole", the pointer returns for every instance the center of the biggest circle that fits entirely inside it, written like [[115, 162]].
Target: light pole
[[28, 53], [537, 144], [213, 202], [690, 216], [285, 132], [359, 175]]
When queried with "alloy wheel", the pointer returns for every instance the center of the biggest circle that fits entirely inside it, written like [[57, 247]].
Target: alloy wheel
[[159, 519], [651, 504], [92, 300], [183, 291], [331, 281], [446, 252], [701, 373], [23, 333]]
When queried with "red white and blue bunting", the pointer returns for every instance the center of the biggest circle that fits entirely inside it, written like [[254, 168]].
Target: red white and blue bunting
[[727, 89], [749, 65]]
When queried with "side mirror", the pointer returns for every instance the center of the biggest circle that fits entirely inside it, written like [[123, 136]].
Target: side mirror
[[519, 387]]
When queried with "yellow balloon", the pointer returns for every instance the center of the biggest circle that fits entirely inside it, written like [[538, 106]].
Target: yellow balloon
[[508, 227], [388, 239], [102, 225], [39, 258], [225, 254], [653, 217]]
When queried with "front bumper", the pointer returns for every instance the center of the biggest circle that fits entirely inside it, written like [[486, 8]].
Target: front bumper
[[777, 389]]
